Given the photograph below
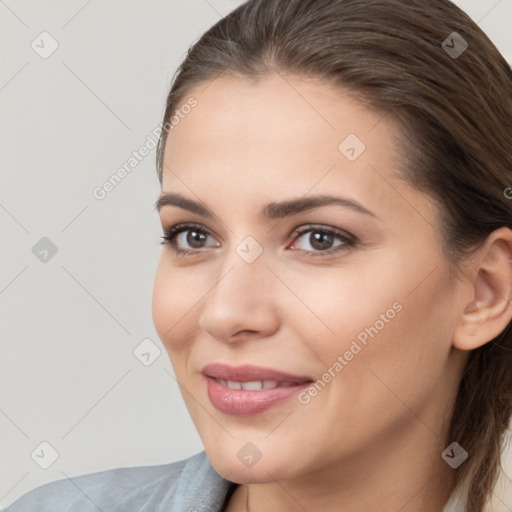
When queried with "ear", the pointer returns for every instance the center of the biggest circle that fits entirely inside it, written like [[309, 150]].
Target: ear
[[490, 310]]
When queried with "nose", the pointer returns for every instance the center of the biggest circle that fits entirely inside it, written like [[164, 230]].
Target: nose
[[241, 304]]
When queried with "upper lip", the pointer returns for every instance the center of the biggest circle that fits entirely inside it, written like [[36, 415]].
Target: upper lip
[[249, 373]]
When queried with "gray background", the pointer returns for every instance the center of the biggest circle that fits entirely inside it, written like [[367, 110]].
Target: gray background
[[70, 324]]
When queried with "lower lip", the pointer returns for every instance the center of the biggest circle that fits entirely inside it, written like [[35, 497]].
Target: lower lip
[[241, 402]]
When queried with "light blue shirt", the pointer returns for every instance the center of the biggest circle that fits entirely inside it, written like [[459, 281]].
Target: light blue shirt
[[189, 485]]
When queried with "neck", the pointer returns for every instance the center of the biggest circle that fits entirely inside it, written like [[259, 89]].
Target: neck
[[406, 473]]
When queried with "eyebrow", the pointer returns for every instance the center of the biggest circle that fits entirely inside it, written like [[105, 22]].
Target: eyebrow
[[275, 210]]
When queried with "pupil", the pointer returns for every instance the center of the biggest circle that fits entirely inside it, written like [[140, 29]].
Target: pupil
[[193, 241], [320, 240]]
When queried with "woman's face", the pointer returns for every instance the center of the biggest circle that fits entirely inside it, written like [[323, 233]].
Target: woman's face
[[359, 302]]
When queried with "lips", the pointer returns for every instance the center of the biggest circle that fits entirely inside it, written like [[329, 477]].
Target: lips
[[248, 390]]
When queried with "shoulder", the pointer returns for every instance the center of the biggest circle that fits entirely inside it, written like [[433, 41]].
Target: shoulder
[[127, 489]]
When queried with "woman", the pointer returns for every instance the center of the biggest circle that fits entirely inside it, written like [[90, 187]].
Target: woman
[[334, 291]]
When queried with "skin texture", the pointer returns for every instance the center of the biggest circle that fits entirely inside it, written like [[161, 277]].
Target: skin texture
[[372, 438]]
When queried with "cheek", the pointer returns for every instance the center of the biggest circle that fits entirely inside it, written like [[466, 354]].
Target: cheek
[[403, 366], [339, 304], [380, 320], [174, 304]]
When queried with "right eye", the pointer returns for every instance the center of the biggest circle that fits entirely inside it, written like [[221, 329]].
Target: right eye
[[194, 236]]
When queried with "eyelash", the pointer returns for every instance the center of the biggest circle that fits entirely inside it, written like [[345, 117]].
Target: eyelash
[[349, 241]]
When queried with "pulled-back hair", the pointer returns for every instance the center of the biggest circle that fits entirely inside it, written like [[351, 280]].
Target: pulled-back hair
[[454, 113]]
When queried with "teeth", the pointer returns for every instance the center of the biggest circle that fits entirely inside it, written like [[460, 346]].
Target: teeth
[[255, 384]]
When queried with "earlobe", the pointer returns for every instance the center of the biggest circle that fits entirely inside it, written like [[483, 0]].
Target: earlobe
[[490, 310]]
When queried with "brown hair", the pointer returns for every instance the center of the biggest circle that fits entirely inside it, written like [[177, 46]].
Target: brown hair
[[455, 115]]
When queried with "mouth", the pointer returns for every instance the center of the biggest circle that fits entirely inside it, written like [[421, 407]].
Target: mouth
[[249, 374], [247, 390], [254, 385]]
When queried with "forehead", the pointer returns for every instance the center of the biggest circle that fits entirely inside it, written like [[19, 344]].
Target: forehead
[[283, 135], [276, 109]]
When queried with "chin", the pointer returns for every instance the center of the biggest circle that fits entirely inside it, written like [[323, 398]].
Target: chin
[[241, 475], [236, 469]]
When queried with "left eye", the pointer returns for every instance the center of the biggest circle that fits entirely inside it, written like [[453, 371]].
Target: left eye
[[322, 239]]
